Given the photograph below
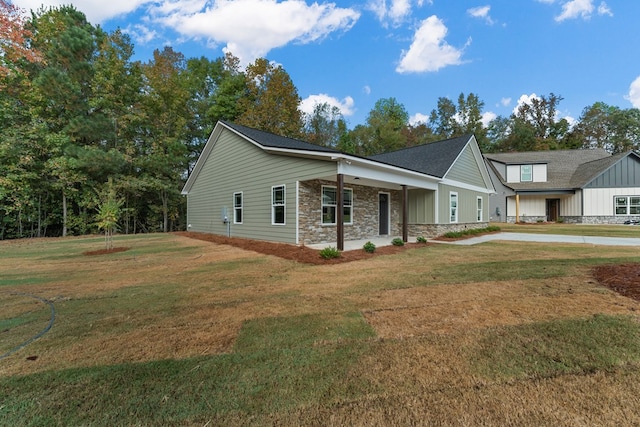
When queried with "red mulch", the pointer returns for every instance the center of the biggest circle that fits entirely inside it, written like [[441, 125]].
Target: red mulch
[[622, 278], [301, 254], [106, 251]]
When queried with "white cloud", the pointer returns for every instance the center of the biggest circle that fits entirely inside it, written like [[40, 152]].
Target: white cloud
[[367, 89], [574, 9], [141, 33], [346, 105], [418, 118], [524, 100], [395, 11], [505, 102], [251, 28], [604, 9], [634, 93], [487, 116], [429, 51], [96, 11], [481, 12]]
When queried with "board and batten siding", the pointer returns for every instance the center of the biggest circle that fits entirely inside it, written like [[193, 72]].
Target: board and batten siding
[[600, 201], [623, 174], [421, 206], [236, 165], [466, 169], [467, 204], [536, 206]]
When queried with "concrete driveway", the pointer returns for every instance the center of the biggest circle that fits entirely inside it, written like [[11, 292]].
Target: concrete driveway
[[548, 238]]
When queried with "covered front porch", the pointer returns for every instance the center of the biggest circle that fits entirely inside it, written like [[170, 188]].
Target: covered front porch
[[362, 204]]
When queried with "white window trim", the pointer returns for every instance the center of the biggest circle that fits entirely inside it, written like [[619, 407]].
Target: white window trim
[[479, 209], [284, 205], [236, 208], [322, 205], [531, 173], [451, 194], [627, 205]]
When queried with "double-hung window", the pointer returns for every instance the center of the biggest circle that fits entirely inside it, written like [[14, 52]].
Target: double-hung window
[[479, 209], [330, 205], [237, 208], [278, 205], [526, 173], [627, 205], [453, 207]]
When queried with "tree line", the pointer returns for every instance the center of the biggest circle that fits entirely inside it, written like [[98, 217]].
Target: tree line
[[91, 139]]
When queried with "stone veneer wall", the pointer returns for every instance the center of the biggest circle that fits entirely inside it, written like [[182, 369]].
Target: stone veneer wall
[[607, 219], [434, 230], [365, 213]]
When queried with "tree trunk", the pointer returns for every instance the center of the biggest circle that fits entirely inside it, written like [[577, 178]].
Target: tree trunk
[[165, 210], [64, 214]]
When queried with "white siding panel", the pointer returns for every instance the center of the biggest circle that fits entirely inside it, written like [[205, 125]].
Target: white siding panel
[[539, 173], [599, 201], [572, 205], [513, 173]]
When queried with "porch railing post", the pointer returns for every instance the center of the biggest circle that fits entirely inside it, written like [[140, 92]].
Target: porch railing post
[[405, 210]]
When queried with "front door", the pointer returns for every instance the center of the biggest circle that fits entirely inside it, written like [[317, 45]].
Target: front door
[[553, 209], [383, 214]]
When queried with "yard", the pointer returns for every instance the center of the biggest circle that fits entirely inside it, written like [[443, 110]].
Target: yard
[[181, 331]]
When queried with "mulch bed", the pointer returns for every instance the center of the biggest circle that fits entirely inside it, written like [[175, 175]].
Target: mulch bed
[[301, 254], [105, 251], [622, 278]]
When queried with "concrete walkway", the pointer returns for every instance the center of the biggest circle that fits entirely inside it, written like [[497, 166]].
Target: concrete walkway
[[350, 245], [548, 238]]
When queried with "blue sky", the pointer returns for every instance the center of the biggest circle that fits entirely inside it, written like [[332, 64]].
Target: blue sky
[[351, 54]]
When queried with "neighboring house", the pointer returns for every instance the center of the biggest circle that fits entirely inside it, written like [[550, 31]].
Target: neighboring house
[[253, 184], [578, 186]]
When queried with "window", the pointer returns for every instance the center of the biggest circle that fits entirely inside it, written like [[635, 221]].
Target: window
[[278, 205], [627, 205], [237, 208], [479, 209], [330, 205], [526, 173], [453, 207]]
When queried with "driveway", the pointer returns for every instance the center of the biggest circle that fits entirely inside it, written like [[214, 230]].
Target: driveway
[[548, 238]]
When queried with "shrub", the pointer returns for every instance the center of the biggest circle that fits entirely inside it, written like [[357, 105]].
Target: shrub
[[471, 232], [421, 239], [369, 247], [560, 220], [397, 242], [330, 252]]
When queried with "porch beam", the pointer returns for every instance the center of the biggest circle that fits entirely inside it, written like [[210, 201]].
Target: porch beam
[[340, 213], [405, 210]]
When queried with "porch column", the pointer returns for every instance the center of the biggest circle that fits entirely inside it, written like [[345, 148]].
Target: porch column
[[517, 208], [405, 210], [340, 213]]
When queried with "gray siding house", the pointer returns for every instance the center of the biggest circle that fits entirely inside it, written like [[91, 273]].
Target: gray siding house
[[578, 186], [257, 185]]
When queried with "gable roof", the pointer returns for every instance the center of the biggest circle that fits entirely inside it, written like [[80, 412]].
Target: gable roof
[[271, 140], [435, 158], [566, 169]]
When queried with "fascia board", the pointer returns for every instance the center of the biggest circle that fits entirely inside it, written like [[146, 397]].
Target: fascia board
[[465, 186]]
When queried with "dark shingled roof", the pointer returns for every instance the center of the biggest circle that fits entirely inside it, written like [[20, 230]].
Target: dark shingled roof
[[566, 169], [433, 159], [271, 140]]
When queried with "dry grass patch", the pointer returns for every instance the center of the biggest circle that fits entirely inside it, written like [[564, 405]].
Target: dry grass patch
[[177, 331]]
